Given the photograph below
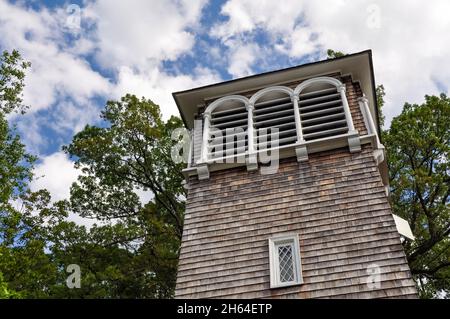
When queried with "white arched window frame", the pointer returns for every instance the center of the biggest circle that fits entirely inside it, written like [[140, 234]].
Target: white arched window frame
[[283, 89], [340, 88], [207, 121], [353, 137]]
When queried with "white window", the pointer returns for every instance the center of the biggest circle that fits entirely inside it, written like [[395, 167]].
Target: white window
[[285, 263]]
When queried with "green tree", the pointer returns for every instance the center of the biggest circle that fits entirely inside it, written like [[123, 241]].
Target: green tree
[[134, 251], [15, 163], [418, 149], [131, 153], [331, 54], [15, 173]]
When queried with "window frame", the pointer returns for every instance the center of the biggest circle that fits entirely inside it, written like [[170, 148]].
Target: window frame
[[274, 243]]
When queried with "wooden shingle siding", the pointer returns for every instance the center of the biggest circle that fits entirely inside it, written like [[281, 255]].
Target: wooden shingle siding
[[335, 202]]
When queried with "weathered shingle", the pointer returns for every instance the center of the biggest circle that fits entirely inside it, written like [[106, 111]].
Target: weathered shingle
[[335, 202]]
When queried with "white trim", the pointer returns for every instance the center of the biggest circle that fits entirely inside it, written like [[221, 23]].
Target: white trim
[[217, 102], [367, 116], [319, 79], [274, 242], [348, 113], [191, 149], [277, 88], [298, 121], [204, 146], [301, 151], [313, 146], [282, 83]]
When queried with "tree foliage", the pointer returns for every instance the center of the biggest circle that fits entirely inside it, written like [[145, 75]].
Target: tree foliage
[[132, 188], [331, 54], [133, 251], [418, 149], [15, 163], [132, 153]]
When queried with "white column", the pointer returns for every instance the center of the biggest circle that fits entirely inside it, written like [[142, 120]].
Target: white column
[[300, 151], [191, 148], [250, 129], [364, 105], [378, 152], [348, 114], [206, 125], [252, 163], [354, 142], [298, 121]]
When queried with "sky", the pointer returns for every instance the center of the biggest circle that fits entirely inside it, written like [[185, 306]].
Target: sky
[[84, 53]]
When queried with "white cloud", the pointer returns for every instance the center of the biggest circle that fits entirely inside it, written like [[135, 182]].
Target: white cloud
[[39, 36], [144, 196], [241, 57], [142, 33], [407, 38], [56, 173], [158, 85], [245, 16]]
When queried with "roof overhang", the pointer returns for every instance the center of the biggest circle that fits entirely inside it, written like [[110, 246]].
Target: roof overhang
[[358, 65]]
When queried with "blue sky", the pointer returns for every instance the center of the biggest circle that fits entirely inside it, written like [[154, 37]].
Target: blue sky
[[86, 52]]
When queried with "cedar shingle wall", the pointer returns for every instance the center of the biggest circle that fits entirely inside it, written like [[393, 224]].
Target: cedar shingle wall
[[335, 202]]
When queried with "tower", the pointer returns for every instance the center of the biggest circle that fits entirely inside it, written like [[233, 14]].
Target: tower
[[288, 188]]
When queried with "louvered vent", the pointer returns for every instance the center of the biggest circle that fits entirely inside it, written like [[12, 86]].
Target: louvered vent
[[228, 134], [320, 107], [274, 111], [322, 113]]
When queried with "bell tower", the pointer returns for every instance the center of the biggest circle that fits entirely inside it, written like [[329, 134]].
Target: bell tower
[[288, 188]]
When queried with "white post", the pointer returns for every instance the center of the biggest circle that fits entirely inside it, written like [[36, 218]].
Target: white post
[[191, 148], [298, 121], [365, 110], [354, 143], [252, 163], [348, 114], [300, 151], [206, 124]]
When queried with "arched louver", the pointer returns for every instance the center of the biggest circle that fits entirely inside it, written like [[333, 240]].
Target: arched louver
[[316, 109], [321, 112], [227, 134], [274, 121]]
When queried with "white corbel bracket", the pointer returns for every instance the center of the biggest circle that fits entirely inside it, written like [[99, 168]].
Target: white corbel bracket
[[252, 162], [203, 172], [378, 155], [354, 142], [302, 153]]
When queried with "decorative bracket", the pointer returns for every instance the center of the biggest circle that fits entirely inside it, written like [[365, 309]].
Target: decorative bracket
[[203, 172], [252, 162], [378, 155], [353, 141], [302, 153]]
